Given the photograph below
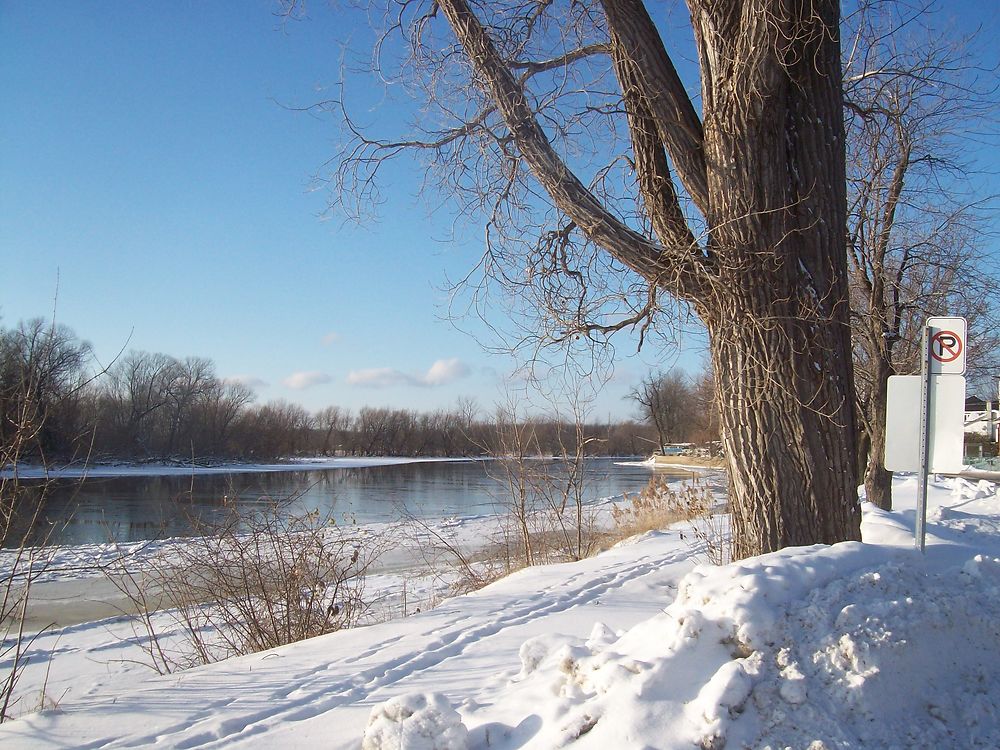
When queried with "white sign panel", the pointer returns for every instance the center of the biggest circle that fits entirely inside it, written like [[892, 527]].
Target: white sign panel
[[948, 345], [947, 423]]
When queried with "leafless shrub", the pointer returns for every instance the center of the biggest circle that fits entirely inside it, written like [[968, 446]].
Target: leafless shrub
[[248, 584], [541, 514], [19, 572], [541, 499], [22, 420], [540, 518], [539, 467], [462, 570]]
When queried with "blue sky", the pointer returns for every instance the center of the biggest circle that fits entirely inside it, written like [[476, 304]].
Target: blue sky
[[148, 167], [149, 173]]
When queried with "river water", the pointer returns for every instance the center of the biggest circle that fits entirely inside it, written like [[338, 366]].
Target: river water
[[128, 509]]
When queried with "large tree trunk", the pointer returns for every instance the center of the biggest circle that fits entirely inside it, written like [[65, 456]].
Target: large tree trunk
[[779, 319], [788, 437]]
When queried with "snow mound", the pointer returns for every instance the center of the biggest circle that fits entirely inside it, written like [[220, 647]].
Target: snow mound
[[820, 647], [422, 721], [892, 656]]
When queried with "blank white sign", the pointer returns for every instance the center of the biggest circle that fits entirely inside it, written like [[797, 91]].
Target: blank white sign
[[947, 418]]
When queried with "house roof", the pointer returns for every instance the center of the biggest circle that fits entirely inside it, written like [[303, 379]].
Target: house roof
[[974, 403]]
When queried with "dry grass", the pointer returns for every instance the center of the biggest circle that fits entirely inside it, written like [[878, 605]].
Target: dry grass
[[661, 504]]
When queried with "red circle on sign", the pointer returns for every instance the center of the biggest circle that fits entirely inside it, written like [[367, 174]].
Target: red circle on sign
[[946, 346]]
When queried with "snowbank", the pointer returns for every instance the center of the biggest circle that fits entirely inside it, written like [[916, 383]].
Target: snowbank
[[847, 646]]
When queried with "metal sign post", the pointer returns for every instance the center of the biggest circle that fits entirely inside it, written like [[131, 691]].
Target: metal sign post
[[924, 413], [920, 531], [943, 352]]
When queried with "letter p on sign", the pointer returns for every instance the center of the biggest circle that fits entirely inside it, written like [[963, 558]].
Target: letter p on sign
[[948, 345]]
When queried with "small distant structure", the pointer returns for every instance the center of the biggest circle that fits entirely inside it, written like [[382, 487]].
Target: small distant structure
[[674, 449], [688, 458], [982, 418]]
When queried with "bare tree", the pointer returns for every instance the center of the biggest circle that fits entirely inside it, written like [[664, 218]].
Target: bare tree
[[190, 381], [567, 128], [914, 99], [276, 429], [41, 376], [665, 401], [513, 446], [136, 387], [335, 421], [706, 415], [223, 403]]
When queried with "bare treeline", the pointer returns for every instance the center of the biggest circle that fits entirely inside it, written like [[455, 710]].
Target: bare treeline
[[148, 406]]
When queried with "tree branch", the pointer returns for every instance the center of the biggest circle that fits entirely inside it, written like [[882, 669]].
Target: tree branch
[[640, 57], [566, 191]]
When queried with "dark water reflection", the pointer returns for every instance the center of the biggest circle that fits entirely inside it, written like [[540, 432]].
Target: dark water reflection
[[136, 508]]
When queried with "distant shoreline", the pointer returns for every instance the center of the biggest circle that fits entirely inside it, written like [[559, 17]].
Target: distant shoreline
[[83, 471], [695, 463]]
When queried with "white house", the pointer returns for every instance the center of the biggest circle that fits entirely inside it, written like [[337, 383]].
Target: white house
[[982, 417]]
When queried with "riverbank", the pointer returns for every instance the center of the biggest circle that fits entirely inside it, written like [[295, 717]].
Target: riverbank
[[70, 585], [688, 464], [81, 621], [73, 584], [681, 465]]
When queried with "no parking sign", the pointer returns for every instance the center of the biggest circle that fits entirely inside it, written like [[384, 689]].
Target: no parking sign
[[925, 412], [947, 346]]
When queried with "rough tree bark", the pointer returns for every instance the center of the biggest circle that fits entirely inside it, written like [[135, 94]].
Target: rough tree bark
[[779, 325]]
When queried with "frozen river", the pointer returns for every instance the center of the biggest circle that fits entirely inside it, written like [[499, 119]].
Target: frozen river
[[132, 508]]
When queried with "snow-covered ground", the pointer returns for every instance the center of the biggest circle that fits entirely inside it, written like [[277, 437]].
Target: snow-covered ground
[[643, 646]]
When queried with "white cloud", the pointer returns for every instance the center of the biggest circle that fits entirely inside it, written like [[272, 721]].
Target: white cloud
[[442, 372], [331, 338], [445, 371], [250, 381], [301, 380], [379, 377]]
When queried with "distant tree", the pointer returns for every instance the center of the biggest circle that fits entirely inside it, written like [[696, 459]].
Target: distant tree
[[135, 388], [334, 422], [42, 373], [221, 406], [628, 438], [665, 401], [276, 429], [468, 411], [189, 381]]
